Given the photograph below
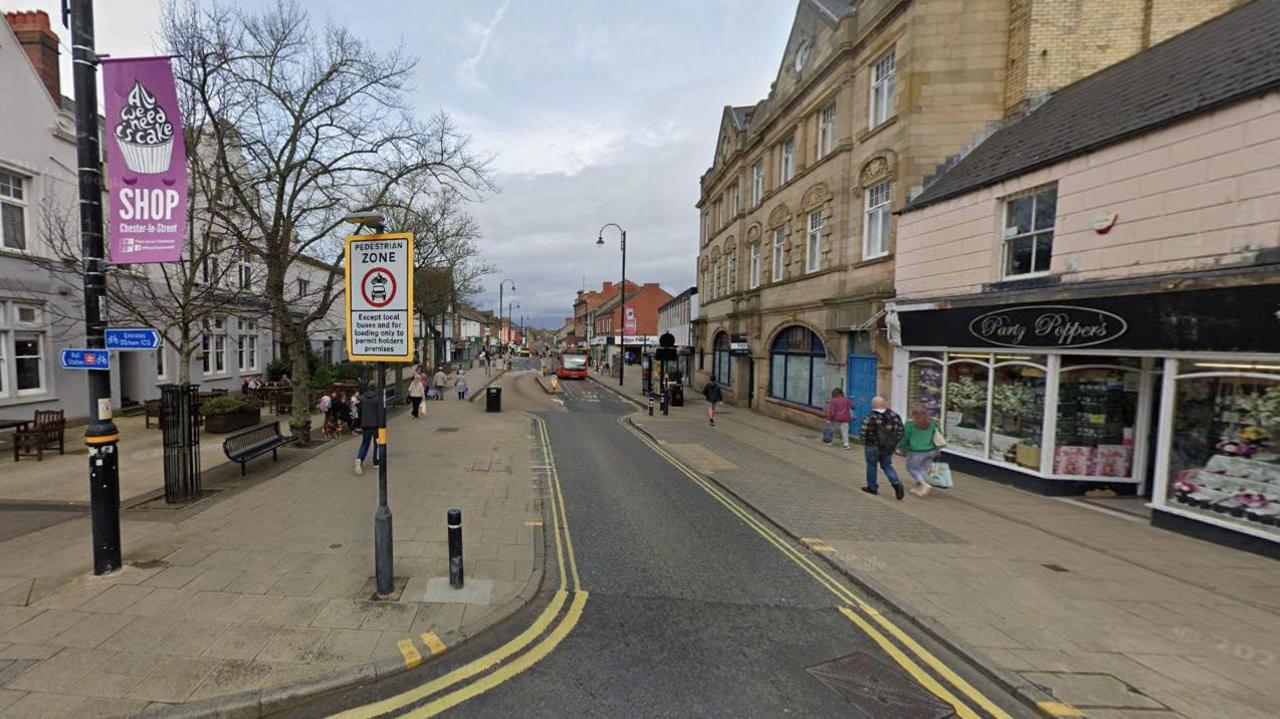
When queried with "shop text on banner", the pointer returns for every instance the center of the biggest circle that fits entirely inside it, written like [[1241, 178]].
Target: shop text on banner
[[379, 297], [146, 161]]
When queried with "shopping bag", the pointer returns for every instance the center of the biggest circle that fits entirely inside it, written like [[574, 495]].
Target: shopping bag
[[827, 434], [939, 439], [939, 475]]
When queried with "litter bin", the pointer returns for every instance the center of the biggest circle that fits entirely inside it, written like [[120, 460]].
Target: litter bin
[[677, 394], [493, 399]]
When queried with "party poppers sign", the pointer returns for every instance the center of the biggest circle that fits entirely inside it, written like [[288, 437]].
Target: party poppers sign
[[146, 161]]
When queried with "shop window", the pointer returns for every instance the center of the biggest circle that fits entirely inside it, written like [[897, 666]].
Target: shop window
[[722, 360], [965, 421], [1097, 415], [1028, 231], [797, 368], [1017, 409], [1225, 458], [924, 382]]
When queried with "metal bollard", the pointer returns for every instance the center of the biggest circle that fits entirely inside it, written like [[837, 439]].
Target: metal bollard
[[666, 404], [650, 405], [455, 548]]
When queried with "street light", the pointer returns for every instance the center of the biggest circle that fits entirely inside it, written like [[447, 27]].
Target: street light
[[502, 285], [383, 561], [511, 335], [622, 359]]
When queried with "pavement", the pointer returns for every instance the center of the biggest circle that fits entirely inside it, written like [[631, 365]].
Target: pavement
[[1097, 609], [253, 601]]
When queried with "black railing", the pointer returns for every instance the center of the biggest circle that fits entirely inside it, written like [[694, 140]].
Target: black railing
[[179, 421]]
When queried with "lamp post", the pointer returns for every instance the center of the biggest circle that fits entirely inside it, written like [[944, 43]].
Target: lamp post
[[622, 355], [101, 435], [501, 286], [383, 560], [511, 334]]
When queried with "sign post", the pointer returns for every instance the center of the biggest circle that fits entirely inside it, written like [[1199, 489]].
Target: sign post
[[379, 303], [132, 339]]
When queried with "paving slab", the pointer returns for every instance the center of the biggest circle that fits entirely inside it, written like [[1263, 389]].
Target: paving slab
[[268, 585]]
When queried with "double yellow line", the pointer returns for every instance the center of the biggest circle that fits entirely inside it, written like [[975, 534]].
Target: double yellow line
[[498, 666], [907, 652]]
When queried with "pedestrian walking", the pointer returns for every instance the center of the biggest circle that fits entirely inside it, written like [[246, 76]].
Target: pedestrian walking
[[881, 433], [323, 405], [417, 388], [353, 415], [712, 393], [439, 381], [484, 360], [372, 413], [919, 441], [840, 412], [460, 384]]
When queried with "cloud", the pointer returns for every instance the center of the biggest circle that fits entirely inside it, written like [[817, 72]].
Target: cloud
[[483, 35]]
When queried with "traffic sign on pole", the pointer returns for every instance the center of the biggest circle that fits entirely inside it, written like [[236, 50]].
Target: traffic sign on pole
[[379, 297], [132, 338], [86, 359]]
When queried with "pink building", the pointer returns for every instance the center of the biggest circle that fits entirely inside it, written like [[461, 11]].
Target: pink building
[[1091, 297]]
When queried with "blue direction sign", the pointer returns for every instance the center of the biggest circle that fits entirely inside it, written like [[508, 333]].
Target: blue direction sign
[[132, 338], [86, 359]]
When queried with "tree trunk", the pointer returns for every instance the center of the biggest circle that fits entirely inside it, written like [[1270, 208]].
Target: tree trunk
[[185, 350], [300, 418]]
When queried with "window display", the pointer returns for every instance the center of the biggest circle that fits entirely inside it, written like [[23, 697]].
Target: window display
[[1097, 412], [924, 382], [1017, 410], [966, 418], [1225, 458]]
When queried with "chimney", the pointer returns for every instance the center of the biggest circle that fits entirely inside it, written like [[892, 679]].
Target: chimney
[[41, 45], [608, 287]]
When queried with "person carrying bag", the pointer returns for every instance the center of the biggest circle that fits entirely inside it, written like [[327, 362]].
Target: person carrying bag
[[922, 441]]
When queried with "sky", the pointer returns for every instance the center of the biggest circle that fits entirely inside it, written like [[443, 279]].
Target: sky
[[595, 111]]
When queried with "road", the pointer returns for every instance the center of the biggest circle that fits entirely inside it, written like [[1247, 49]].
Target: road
[[687, 606]]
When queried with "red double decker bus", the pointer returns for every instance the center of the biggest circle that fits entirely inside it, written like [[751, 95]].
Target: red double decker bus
[[572, 365]]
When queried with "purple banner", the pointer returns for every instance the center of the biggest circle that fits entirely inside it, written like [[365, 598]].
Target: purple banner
[[146, 161]]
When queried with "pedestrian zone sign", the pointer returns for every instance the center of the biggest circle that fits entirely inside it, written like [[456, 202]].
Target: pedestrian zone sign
[[379, 297]]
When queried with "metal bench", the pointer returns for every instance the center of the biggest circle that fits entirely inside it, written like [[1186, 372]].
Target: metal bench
[[246, 444]]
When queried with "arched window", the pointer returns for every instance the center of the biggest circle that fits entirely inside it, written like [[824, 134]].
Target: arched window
[[722, 366], [796, 367]]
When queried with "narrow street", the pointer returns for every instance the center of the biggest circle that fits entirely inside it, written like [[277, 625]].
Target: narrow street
[[690, 610]]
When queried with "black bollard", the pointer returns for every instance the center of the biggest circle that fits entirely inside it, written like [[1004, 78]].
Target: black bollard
[[666, 403], [650, 405], [455, 548]]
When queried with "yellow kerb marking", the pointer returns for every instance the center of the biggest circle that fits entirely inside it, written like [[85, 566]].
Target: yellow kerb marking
[[823, 548], [811, 540], [1058, 709], [533, 523], [432, 642], [412, 657]]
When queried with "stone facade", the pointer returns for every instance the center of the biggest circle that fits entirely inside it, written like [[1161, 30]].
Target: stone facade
[[1053, 43], [837, 151]]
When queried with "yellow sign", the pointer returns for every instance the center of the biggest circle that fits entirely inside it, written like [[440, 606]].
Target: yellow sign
[[379, 297]]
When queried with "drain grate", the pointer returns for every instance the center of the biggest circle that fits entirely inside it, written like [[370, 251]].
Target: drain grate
[[446, 429], [878, 689]]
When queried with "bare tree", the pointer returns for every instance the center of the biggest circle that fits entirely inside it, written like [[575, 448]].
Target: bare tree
[[318, 125]]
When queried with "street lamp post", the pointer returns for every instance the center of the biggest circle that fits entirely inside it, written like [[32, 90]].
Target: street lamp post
[[383, 559], [622, 347], [501, 286], [511, 335], [101, 435]]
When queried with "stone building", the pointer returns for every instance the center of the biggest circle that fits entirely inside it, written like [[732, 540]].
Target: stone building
[[1091, 298], [872, 97]]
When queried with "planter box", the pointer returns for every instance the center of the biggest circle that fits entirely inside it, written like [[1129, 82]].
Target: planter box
[[223, 423]]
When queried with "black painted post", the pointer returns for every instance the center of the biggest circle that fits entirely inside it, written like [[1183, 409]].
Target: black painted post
[[383, 561], [454, 522]]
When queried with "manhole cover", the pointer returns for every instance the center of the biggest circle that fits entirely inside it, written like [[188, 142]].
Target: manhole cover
[[878, 689], [446, 429]]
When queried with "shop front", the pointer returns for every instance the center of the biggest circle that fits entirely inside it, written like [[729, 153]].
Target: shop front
[[1172, 395]]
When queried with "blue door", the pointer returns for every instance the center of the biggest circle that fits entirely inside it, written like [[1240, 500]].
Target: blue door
[[862, 387]]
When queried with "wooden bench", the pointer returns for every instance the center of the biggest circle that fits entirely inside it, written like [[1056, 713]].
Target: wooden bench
[[153, 409], [248, 443], [46, 432]]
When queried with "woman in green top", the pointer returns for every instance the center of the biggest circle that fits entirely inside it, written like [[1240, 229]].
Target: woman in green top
[[917, 442]]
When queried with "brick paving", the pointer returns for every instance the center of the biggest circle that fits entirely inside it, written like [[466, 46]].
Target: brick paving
[[270, 585], [1107, 612]]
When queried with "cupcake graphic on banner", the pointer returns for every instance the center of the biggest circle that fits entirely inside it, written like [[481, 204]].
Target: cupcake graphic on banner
[[144, 133]]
